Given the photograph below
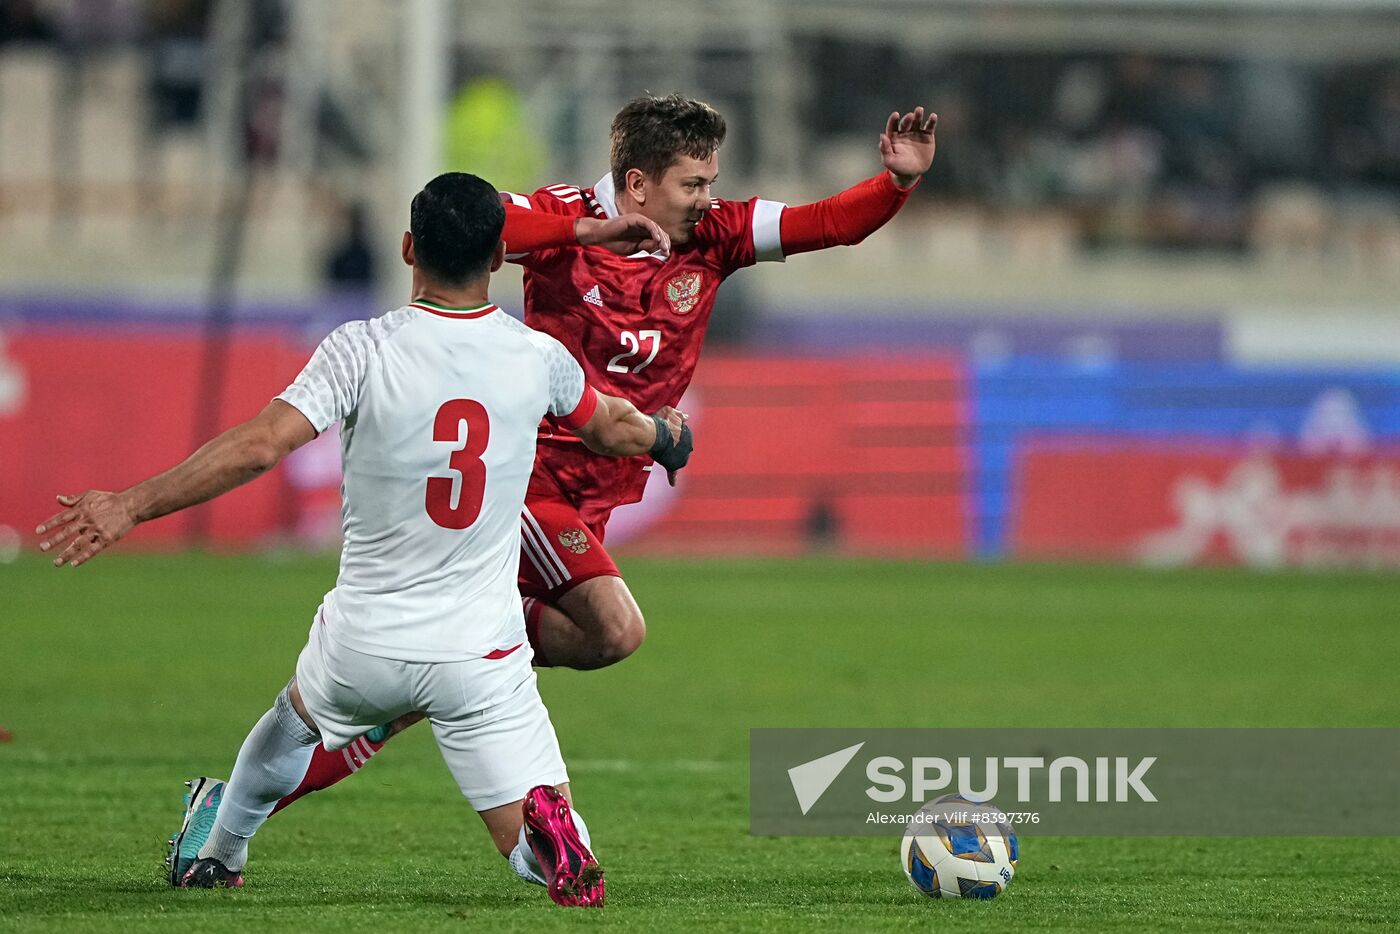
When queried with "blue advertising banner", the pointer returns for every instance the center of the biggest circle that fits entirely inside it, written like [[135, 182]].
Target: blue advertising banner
[[1308, 411]]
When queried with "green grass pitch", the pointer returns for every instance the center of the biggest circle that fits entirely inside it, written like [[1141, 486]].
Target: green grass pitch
[[126, 676]]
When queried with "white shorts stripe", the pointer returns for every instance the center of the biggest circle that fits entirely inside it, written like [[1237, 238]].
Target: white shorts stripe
[[531, 528], [349, 759], [532, 551], [558, 561], [543, 570]]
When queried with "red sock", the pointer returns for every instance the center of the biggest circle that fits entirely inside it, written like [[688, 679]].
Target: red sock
[[328, 767], [533, 610]]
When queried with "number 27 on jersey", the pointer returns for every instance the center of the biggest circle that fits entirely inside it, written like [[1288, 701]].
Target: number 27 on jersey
[[633, 344]]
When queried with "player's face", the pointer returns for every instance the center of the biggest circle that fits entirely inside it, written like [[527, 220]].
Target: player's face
[[679, 200]]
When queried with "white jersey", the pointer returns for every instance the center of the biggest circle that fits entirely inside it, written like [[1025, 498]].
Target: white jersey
[[439, 410]]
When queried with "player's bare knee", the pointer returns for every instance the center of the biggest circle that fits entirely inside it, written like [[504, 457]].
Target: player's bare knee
[[621, 635], [609, 618]]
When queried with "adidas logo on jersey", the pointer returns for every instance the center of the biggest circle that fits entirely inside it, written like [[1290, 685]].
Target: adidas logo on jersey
[[594, 297]]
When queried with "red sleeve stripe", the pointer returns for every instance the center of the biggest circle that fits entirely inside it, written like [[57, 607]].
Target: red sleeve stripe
[[587, 405]]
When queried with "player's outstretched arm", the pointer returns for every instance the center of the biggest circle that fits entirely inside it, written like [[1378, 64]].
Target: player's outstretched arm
[[845, 219], [528, 230], [95, 520], [618, 429]]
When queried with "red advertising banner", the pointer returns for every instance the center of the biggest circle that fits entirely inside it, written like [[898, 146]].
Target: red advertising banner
[[104, 408], [861, 454], [865, 454], [1177, 503]]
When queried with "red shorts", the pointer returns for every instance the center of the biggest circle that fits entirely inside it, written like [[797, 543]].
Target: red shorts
[[558, 550]]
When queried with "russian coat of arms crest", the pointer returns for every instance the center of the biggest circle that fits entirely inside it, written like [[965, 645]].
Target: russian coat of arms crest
[[683, 292], [574, 540]]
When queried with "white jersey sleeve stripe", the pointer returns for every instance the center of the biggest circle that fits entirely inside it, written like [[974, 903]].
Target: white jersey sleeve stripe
[[767, 231]]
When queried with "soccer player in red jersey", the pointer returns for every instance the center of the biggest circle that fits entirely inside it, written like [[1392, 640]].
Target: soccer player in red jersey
[[636, 324]]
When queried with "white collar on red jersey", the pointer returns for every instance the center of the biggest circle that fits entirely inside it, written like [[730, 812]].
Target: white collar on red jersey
[[605, 196]]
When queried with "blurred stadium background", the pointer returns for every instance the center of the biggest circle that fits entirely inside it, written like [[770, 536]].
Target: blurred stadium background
[[1146, 308]]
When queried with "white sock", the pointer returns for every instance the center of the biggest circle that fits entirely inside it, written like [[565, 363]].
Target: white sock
[[523, 861], [270, 765], [522, 858]]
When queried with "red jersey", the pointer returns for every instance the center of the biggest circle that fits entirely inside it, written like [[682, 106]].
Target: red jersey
[[635, 323]]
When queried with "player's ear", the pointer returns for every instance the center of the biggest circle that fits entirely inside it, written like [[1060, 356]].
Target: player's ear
[[407, 249], [635, 180], [498, 258]]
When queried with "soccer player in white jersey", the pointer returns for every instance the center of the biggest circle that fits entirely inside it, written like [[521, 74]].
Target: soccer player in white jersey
[[439, 402]]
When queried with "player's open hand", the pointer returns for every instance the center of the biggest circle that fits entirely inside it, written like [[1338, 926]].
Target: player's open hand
[[625, 234], [906, 146], [90, 523]]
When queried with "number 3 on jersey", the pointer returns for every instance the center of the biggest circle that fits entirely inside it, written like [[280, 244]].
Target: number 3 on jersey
[[466, 461], [632, 341]]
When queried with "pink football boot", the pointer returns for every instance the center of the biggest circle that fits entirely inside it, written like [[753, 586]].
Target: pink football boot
[[573, 876]]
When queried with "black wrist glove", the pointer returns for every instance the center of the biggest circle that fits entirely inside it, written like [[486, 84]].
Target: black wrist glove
[[673, 455]]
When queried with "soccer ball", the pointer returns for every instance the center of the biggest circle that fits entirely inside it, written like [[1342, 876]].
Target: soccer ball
[[955, 848]]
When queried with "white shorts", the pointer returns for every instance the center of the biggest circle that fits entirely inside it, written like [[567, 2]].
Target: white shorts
[[490, 723]]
